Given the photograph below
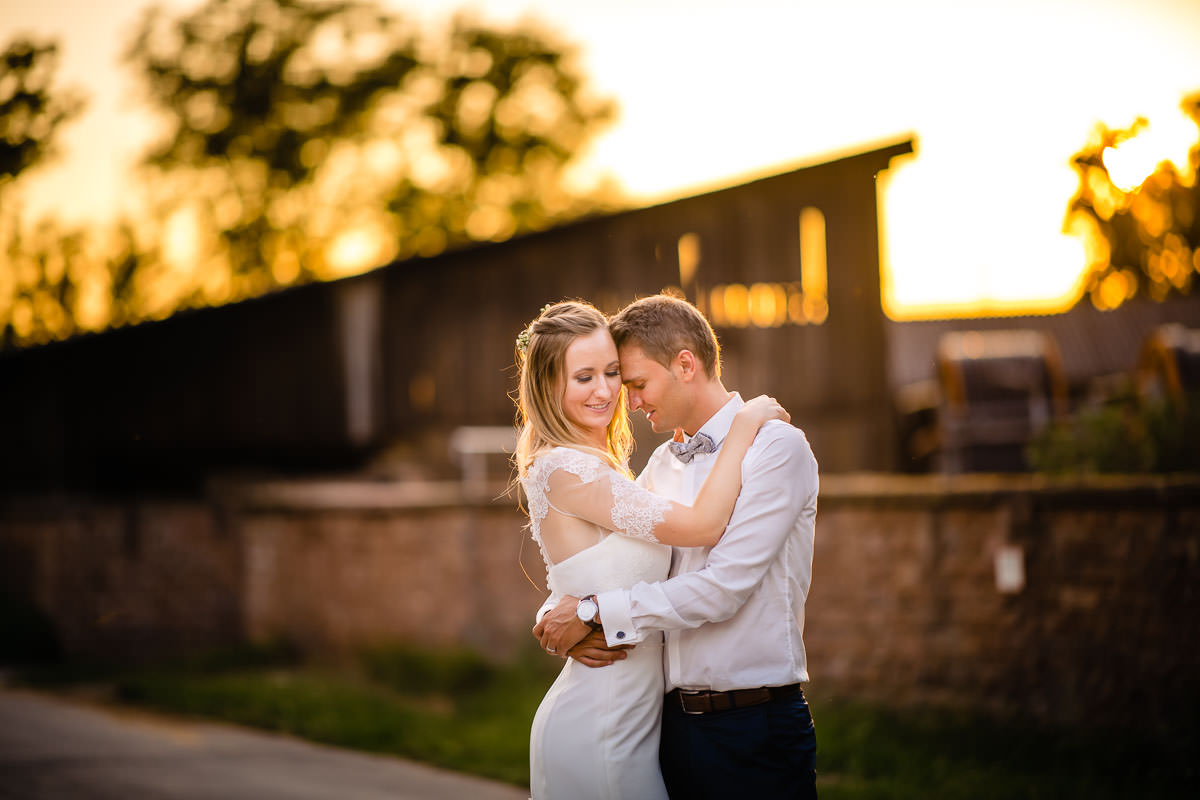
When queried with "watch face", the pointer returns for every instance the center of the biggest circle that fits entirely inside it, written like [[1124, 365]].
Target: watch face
[[586, 610]]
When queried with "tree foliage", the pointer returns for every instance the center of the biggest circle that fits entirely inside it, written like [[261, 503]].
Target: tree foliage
[[59, 280], [39, 290], [304, 139], [30, 115], [307, 139], [1145, 241]]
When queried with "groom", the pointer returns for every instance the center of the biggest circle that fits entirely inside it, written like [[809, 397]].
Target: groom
[[735, 721]]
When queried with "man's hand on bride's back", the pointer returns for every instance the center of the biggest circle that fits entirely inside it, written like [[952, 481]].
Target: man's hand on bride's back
[[763, 409]]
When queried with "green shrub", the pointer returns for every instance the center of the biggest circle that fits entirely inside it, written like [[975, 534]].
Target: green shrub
[[411, 670], [1125, 435]]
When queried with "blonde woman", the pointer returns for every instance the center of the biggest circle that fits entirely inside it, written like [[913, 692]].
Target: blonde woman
[[596, 732]]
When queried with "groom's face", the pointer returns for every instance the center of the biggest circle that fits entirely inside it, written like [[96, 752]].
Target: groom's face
[[653, 389]]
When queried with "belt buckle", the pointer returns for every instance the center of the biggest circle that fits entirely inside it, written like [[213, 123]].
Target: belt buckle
[[690, 693]]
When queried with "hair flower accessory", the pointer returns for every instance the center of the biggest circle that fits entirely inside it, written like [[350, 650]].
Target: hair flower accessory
[[523, 336]]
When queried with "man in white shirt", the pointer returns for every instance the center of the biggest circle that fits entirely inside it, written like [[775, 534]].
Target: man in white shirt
[[735, 721]]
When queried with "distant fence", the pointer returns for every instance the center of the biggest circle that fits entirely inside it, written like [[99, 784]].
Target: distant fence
[[1070, 600]]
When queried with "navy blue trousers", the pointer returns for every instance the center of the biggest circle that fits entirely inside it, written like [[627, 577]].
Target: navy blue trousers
[[767, 751]]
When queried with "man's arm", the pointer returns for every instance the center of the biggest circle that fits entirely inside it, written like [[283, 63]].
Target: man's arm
[[779, 485]]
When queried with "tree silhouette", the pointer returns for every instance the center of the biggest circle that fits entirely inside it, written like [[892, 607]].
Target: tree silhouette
[[38, 288], [1143, 241], [294, 124], [29, 115]]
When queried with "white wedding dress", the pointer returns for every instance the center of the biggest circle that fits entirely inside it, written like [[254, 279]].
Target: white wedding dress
[[596, 732]]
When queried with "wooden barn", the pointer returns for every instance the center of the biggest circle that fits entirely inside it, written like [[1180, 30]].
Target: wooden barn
[[328, 376]]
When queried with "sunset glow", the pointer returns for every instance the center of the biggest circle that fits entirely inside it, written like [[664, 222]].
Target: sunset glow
[[998, 96], [1167, 138]]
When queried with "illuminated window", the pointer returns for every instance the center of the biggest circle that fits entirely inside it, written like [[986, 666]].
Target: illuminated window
[[814, 281], [689, 259], [735, 302], [716, 307], [769, 305]]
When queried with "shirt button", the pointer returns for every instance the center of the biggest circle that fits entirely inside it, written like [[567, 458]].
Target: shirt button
[[620, 634]]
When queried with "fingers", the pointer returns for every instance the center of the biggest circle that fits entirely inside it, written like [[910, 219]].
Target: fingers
[[588, 661], [542, 635], [592, 662], [595, 639], [593, 651], [774, 408], [597, 656], [560, 637]]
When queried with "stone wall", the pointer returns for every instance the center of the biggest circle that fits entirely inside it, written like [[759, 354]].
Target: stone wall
[[125, 579], [333, 579], [905, 604], [1093, 618]]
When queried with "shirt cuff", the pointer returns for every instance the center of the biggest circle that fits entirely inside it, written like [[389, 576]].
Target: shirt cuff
[[616, 617], [547, 606]]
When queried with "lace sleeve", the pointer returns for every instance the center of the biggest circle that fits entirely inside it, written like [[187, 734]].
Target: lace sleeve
[[605, 497], [636, 511], [536, 483]]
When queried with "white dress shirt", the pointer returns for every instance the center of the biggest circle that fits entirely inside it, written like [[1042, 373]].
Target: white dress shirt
[[734, 613]]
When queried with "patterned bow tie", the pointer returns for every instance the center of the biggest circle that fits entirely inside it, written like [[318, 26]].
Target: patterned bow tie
[[686, 451]]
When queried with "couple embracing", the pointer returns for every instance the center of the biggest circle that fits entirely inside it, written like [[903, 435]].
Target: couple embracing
[[676, 598]]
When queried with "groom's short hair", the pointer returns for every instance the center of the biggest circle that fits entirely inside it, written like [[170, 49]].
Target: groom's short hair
[[663, 325]]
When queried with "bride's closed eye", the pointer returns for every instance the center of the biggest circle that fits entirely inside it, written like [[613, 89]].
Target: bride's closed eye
[[587, 377]]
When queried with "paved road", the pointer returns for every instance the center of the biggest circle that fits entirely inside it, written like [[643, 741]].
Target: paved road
[[53, 748]]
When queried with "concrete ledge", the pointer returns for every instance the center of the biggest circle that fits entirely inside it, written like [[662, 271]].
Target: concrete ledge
[[359, 495], [873, 490], [934, 491]]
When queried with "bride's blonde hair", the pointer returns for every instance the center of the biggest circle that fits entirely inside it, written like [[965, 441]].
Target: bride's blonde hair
[[541, 359]]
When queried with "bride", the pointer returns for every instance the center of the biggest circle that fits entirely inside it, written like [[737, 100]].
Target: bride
[[595, 734]]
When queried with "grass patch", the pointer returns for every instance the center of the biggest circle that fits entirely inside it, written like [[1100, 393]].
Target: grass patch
[[865, 753], [456, 710]]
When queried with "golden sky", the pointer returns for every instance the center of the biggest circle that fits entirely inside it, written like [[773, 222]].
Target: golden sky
[[998, 95]]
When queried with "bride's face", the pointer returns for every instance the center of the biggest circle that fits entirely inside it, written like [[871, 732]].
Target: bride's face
[[592, 386]]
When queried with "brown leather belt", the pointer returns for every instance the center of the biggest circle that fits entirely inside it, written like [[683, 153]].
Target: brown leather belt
[[704, 702]]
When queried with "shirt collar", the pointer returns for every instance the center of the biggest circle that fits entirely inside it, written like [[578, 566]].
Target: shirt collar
[[718, 425]]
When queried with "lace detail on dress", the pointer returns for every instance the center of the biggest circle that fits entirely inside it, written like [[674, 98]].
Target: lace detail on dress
[[537, 481], [537, 484], [637, 511]]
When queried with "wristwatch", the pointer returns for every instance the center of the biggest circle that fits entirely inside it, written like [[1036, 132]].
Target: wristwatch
[[587, 610]]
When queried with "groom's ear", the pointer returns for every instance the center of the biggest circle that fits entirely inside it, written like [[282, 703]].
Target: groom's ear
[[686, 361]]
